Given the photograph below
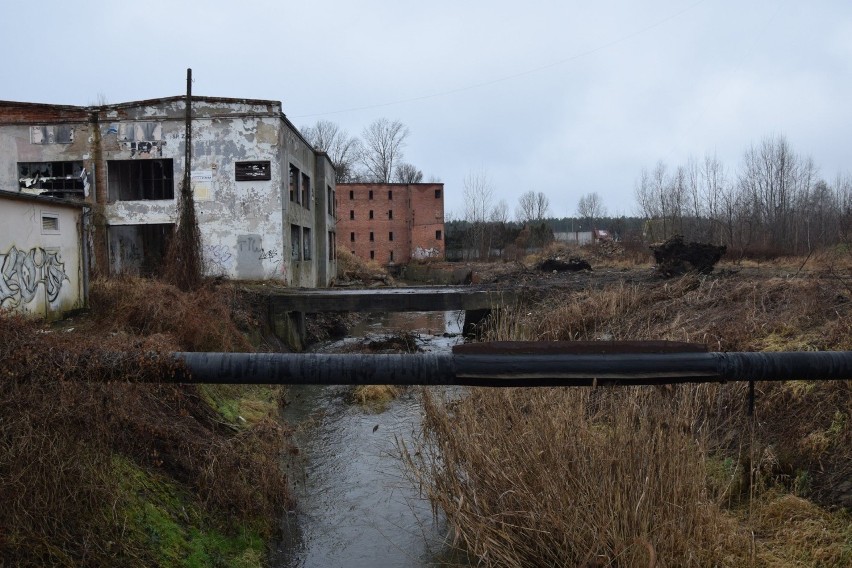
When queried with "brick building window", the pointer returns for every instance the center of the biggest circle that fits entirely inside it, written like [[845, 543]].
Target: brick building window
[[351, 194], [390, 195], [371, 213], [352, 237], [390, 214], [306, 191], [371, 194], [351, 213], [371, 236], [391, 256], [437, 194], [294, 184], [437, 235], [390, 236], [372, 255], [135, 180]]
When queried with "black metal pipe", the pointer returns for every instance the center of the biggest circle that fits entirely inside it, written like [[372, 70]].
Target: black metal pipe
[[503, 370]]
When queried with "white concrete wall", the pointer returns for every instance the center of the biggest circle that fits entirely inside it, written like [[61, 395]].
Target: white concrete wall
[[40, 270]]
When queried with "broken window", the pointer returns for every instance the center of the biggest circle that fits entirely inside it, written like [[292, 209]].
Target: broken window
[[329, 197], [53, 178], [295, 242], [306, 191], [250, 171], [294, 183], [332, 245], [307, 244], [135, 180]]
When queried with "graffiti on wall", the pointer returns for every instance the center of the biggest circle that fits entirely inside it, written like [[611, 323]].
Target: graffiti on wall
[[421, 253], [21, 272], [219, 258]]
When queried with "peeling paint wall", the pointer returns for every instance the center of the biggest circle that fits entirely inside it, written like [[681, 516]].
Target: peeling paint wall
[[246, 221], [40, 257]]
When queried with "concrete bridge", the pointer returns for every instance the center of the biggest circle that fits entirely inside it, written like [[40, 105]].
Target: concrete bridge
[[293, 303]]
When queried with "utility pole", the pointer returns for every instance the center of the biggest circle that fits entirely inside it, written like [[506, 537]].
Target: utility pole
[[187, 171]]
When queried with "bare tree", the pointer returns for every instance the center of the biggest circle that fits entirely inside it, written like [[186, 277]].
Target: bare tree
[[407, 173], [590, 207], [478, 195], [343, 150], [532, 207], [383, 141], [500, 212]]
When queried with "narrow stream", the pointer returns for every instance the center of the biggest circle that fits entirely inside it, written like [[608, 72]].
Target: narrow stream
[[355, 506]]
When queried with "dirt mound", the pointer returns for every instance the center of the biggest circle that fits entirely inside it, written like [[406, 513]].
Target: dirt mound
[[674, 257], [559, 265]]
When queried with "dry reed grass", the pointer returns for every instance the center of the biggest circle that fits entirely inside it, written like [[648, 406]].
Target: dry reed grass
[[600, 477]]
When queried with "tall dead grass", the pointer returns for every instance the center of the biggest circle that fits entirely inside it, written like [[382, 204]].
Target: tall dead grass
[[606, 477], [70, 399], [569, 477]]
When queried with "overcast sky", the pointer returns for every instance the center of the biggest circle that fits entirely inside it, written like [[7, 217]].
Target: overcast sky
[[560, 97]]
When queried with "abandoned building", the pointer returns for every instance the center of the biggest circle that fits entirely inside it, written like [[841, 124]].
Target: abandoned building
[[391, 223], [42, 254], [264, 197]]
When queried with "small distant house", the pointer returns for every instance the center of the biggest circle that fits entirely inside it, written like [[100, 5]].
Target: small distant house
[[583, 237], [42, 254], [391, 223]]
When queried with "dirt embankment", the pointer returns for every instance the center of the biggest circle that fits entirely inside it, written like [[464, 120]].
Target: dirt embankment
[[99, 466]]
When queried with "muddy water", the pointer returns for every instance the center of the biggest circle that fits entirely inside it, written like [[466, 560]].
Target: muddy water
[[355, 506]]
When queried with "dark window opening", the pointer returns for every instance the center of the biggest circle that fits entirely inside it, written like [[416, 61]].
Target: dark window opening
[[371, 213], [294, 183], [250, 171], [351, 213], [295, 241], [371, 194], [306, 191], [372, 255], [371, 236], [58, 179], [352, 237], [391, 256], [136, 180], [139, 249], [437, 235], [49, 223], [307, 244], [390, 236], [351, 194], [437, 194], [390, 195], [332, 245], [390, 214], [330, 198]]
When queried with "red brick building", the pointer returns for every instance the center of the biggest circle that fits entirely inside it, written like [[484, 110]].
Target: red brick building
[[391, 222]]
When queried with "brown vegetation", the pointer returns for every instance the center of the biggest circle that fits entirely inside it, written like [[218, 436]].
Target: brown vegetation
[[604, 477], [71, 399]]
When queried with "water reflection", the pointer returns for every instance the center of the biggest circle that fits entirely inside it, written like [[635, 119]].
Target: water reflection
[[355, 505]]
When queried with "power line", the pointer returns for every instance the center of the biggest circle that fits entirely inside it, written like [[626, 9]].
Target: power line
[[505, 78]]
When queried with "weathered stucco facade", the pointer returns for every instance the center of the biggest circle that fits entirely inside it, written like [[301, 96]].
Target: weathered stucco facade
[[41, 255], [264, 197]]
